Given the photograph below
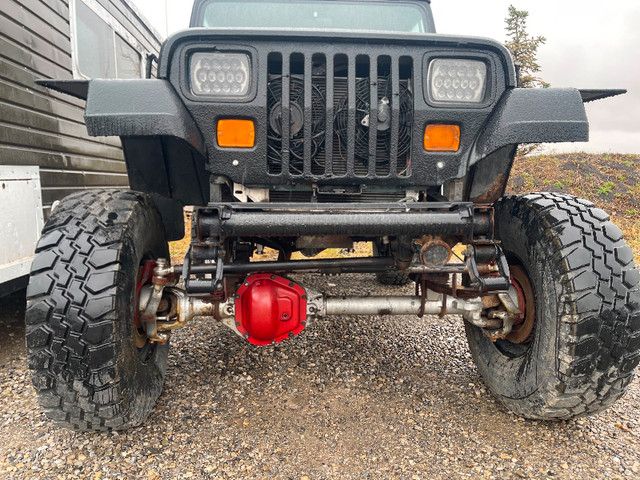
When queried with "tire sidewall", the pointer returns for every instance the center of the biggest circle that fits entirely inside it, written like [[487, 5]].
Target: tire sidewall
[[141, 372], [530, 375]]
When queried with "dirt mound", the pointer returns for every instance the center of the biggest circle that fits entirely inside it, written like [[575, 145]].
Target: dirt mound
[[610, 181]]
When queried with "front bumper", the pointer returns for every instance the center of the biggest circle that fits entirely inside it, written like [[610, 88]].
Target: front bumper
[[464, 220]]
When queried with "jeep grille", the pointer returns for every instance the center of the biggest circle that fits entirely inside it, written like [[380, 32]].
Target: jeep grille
[[321, 103]]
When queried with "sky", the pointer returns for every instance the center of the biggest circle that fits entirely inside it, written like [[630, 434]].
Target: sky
[[589, 45]]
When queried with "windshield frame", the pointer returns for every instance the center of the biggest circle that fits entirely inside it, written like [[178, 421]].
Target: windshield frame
[[200, 6]]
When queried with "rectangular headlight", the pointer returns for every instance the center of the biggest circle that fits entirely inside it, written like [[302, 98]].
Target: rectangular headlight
[[457, 81], [219, 74]]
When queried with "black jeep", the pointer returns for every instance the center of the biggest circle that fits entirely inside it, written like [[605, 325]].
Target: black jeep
[[302, 125]]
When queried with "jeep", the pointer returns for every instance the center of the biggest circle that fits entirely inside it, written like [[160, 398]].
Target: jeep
[[303, 125]]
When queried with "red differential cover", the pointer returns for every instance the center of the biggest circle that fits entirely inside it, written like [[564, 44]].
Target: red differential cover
[[270, 309]]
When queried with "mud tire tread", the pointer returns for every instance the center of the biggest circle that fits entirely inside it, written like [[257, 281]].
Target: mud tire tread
[[79, 305], [597, 316], [393, 278], [390, 278]]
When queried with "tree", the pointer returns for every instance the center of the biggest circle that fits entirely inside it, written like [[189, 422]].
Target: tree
[[524, 48]]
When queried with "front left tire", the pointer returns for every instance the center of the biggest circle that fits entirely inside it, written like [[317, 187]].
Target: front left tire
[[90, 366]]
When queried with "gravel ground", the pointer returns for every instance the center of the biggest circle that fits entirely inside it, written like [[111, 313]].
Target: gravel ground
[[350, 398]]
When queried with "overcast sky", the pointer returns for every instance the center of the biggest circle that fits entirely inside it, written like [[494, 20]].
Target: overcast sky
[[589, 45]]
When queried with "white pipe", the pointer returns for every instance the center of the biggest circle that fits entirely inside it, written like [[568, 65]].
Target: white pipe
[[395, 305]]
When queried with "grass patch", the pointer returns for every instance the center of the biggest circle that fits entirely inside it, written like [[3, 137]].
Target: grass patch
[[178, 250], [611, 181], [606, 188]]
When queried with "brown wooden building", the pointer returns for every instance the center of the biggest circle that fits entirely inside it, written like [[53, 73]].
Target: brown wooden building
[[45, 152]]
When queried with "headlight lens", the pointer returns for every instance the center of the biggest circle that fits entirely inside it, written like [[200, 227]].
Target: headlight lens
[[219, 74], [457, 81]]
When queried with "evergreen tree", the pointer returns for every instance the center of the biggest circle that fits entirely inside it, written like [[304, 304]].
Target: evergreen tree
[[524, 48]]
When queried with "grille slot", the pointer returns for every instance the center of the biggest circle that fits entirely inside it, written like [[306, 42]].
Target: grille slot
[[339, 115]]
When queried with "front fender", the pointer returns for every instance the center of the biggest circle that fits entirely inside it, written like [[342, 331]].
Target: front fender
[[139, 108], [163, 148], [523, 115], [533, 115]]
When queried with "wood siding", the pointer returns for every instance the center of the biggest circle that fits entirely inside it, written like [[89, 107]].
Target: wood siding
[[44, 128]]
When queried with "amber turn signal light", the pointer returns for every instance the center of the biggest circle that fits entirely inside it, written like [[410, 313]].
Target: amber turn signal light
[[442, 138], [233, 133]]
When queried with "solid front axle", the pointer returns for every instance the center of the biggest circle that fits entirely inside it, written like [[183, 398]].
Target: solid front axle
[[396, 305], [268, 308]]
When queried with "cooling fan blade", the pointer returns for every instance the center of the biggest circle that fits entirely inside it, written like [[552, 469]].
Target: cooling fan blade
[[384, 120], [296, 121]]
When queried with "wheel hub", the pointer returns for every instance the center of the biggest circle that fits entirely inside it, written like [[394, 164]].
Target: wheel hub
[[145, 272], [523, 328]]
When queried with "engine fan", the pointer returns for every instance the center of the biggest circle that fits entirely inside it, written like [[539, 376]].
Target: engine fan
[[296, 120], [384, 120]]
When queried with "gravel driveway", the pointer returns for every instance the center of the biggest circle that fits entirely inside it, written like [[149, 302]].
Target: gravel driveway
[[350, 398]]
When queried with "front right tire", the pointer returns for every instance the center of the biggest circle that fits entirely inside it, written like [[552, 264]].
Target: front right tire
[[585, 339]]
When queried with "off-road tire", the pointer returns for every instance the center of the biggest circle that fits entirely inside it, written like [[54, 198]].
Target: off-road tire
[[586, 341], [393, 278], [389, 278], [87, 370]]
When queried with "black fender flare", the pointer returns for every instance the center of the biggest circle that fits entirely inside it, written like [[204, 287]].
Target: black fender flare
[[533, 115], [139, 108], [523, 115], [164, 149]]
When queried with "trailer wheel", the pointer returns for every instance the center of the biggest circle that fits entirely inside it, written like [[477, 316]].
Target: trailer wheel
[[90, 366], [585, 338]]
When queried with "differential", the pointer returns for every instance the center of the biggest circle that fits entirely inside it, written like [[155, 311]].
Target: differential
[[270, 309]]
